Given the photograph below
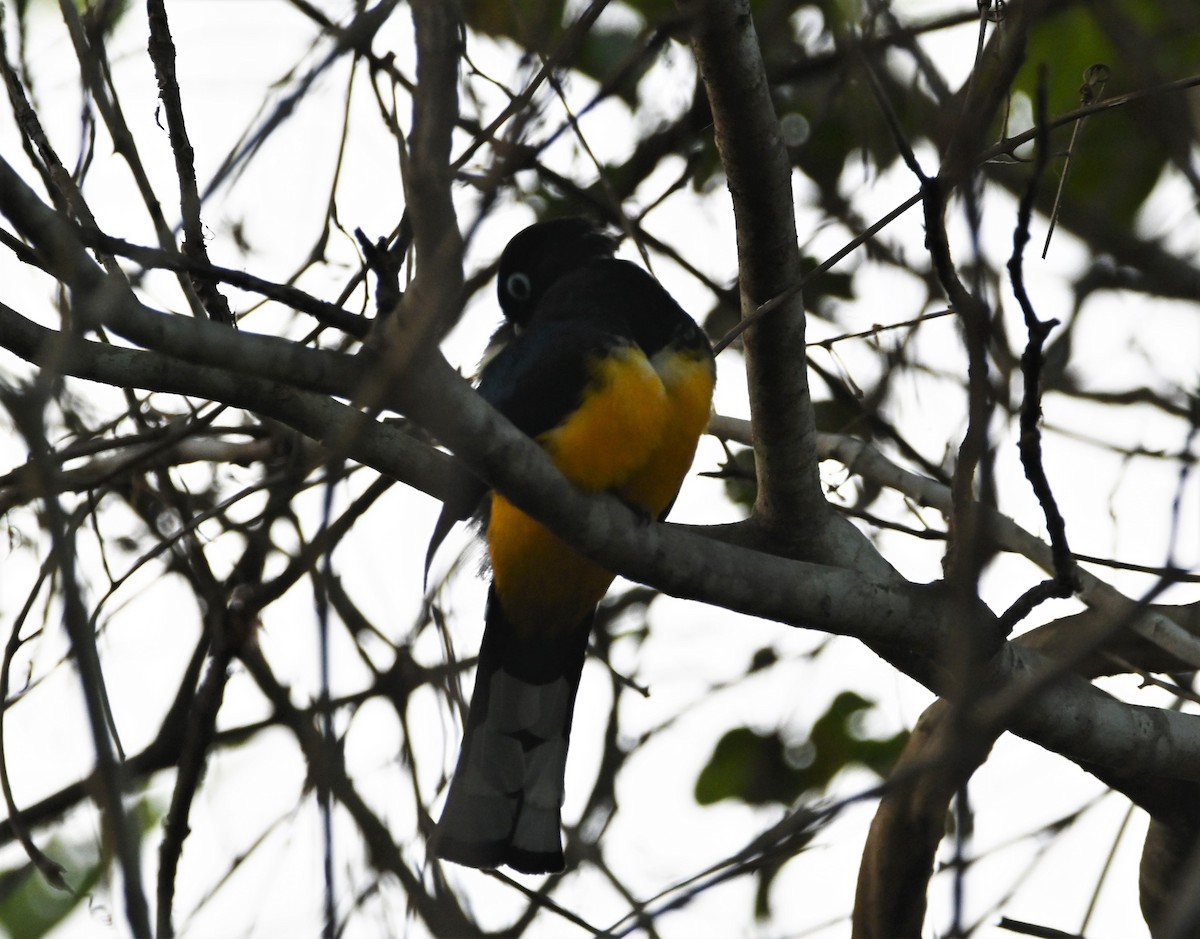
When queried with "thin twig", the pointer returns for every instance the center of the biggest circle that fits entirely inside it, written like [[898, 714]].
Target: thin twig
[[779, 299], [1030, 443], [162, 54], [1092, 90], [49, 868], [111, 775]]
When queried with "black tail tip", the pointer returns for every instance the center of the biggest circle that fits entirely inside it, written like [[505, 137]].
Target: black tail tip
[[488, 855]]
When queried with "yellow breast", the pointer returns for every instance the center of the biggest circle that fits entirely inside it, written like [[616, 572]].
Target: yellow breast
[[612, 437], [688, 379]]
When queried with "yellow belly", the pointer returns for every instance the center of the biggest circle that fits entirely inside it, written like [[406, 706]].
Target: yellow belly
[[543, 583], [635, 434], [689, 386]]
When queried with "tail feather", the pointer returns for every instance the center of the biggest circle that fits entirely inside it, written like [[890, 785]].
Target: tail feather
[[506, 795]]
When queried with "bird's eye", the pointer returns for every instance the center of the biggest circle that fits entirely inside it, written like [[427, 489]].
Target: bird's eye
[[518, 286]]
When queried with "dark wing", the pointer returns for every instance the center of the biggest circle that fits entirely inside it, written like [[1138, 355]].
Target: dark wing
[[536, 381], [539, 380]]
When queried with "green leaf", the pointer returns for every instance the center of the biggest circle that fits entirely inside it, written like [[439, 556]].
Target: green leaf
[[763, 658], [522, 21], [759, 769], [600, 54], [538, 25], [30, 907], [1118, 154], [746, 766]]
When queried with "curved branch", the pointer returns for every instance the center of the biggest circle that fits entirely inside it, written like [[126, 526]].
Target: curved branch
[[386, 447], [1166, 638], [909, 625], [908, 826]]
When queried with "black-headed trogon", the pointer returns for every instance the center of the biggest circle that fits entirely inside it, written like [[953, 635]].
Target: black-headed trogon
[[606, 371]]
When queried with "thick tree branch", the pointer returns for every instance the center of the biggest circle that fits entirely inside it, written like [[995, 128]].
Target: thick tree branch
[[909, 625], [430, 305], [758, 174], [898, 858], [1165, 638], [387, 447], [940, 634]]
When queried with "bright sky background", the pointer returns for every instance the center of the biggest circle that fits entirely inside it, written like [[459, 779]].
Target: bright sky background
[[227, 50]]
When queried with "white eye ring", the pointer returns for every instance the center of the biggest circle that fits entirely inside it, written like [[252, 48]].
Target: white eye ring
[[518, 286]]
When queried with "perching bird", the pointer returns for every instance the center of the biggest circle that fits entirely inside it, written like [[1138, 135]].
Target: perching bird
[[606, 371]]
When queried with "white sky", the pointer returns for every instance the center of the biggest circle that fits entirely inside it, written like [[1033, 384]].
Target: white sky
[[227, 50]]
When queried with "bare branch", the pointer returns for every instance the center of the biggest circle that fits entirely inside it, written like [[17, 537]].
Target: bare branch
[[759, 178], [111, 772]]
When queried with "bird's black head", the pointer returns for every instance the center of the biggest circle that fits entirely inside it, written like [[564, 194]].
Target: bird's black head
[[538, 256]]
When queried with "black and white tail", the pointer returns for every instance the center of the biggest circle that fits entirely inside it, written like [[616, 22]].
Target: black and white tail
[[504, 804]]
